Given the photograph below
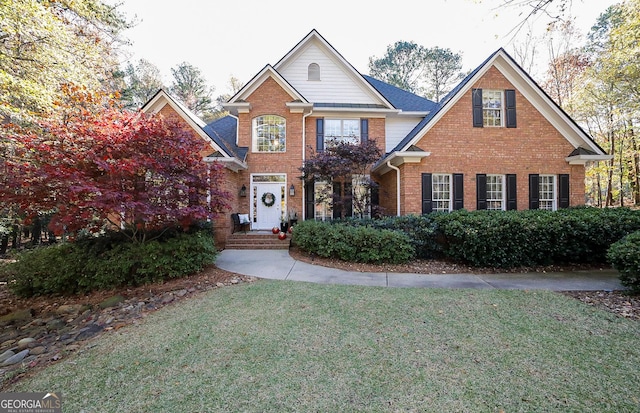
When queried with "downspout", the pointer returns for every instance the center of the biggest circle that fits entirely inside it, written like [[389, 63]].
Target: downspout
[[304, 156], [238, 128], [395, 168]]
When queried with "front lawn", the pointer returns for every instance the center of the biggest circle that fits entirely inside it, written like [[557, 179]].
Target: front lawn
[[282, 346]]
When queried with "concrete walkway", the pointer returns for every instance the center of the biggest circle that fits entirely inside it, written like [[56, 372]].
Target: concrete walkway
[[279, 265]]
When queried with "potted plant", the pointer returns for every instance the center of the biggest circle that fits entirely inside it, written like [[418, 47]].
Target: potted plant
[[284, 223]]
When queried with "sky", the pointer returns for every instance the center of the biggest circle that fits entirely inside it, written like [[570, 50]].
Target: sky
[[238, 39]]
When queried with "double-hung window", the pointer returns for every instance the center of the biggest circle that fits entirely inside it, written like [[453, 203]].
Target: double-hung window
[[441, 192], [492, 107], [323, 202], [269, 134], [547, 194], [341, 130], [495, 192]]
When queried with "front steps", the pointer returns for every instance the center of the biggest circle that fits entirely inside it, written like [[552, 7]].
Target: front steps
[[257, 240]]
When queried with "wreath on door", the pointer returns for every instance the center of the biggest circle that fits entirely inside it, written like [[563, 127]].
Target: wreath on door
[[268, 199]]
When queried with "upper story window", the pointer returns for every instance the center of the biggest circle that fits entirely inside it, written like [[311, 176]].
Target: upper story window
[[341, 130], [313, 72], [269, 134], [492, 107]]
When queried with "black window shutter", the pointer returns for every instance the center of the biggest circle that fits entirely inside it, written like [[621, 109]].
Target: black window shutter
[[337, 206], [512, 192], [476, 95], [427, 196], [481, 191], [348, 199], [458, 191], [534, 191], [364, 130], [563, 189], [375, 196], [319, 134], [309, 200], [510, 106]]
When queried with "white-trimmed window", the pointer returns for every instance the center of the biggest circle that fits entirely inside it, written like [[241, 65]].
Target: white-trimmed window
[[495, 192], [361, 204], [492, 107], [547, 188], [441, 192], [341, 130], [269, 134], [323, 207], [313, 72]]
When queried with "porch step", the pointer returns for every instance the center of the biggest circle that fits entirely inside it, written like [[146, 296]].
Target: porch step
[[257, 240]]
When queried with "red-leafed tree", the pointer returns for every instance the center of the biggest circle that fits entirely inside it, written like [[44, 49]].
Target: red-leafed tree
[[344, 167], [115, 169]]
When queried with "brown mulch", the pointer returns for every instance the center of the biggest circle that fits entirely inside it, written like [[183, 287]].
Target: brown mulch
[[66, 337]]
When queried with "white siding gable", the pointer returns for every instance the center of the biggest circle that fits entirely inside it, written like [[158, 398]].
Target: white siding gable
[[337, 84], [397, 128]]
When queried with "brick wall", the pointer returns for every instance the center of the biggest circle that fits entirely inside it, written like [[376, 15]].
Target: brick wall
[[534, 147], [270, 99]]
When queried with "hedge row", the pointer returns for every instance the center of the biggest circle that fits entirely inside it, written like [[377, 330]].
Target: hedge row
[[108, 262], [487, 238], [356, 244], [625, 257]]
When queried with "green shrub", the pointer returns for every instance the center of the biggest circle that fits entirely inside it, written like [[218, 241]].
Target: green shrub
[[503, 239], [353, 243], [624, 255], [533, 237], [109, 262], [421, 229]]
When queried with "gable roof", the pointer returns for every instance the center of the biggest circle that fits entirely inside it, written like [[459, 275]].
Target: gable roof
[[379, 101], [225, 130], [527, 87], [237, 101], [223, 149]]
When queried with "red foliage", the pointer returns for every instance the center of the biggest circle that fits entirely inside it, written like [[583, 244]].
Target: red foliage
[[127, 169]]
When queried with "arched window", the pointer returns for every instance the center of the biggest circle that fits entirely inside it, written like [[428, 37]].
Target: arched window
[[314, 71], [269, 134]]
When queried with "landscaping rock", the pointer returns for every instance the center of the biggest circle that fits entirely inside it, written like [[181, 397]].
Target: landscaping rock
[[16, 358], [7, 343], [111, 301], [36, 351], [20, 316], [56, 324], [25, 342], [167, 298], [7, 354], [72, 309], [88, 332]]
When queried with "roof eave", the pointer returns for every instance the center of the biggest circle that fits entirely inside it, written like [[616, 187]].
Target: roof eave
[[583, 159], [398, 158], [237, 107], [231, 163]]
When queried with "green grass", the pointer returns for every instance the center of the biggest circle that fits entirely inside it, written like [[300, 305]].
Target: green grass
[[283, 347]]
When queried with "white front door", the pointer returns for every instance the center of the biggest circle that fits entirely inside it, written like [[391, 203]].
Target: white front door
[[268, 199]]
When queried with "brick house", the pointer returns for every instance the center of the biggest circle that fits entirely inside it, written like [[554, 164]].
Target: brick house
[[496, 141]]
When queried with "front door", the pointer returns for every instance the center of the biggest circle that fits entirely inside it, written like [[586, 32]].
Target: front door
[[268, 196]]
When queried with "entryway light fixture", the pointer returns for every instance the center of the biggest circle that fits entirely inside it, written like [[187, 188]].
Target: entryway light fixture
[[292, 190], [243, 190]]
